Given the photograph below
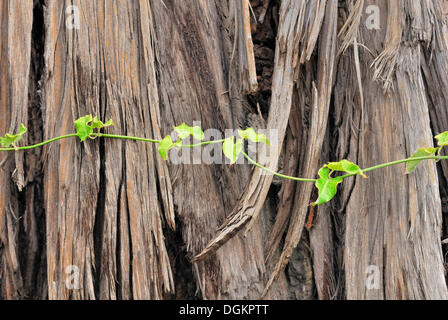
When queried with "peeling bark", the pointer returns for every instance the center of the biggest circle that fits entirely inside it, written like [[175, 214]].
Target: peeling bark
[[15, 56], [396, 227], [116, 186], [137, 227]]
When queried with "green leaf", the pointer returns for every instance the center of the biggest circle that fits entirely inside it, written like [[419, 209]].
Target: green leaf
[[99, 124], [421, 152], [198, 134], [345, 166], [442, 139], [327, 186], [12, 139], [231, 149], [251, 135], [83, 129], [85, 125], [166, 145], [184, 131]]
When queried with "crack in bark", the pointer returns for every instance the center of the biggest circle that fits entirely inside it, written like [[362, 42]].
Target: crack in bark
[[31, 221], [99, 220]]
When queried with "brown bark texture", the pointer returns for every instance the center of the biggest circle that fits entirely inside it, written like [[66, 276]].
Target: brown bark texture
[[364, 80]]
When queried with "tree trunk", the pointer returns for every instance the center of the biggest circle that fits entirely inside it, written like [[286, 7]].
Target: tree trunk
[[109, 219]]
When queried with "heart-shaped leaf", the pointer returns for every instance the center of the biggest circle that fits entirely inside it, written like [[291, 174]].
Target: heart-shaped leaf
[[166, 145], [251, 135], [327, 186], [345, 166], [442, 139], [11, 139], [421, 152], [231, 149], [184, 131], [83, 129]]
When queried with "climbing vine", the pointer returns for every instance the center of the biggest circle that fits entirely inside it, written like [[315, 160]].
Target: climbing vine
[[232, 147]]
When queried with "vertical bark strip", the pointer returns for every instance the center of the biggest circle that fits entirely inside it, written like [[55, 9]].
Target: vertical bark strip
[[190, 40], [100, 69], [395, 228], [15, 52], [318, 124], [435, 68], [243, 46], [71, 169]]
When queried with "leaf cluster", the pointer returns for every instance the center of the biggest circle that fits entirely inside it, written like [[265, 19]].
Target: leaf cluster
[[12, 139], [89, 127], [231, 148]]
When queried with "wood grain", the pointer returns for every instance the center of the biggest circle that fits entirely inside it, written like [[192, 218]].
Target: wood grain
[[190, 41], [15, 52], [106, 187], [104, 208], [393, 220]]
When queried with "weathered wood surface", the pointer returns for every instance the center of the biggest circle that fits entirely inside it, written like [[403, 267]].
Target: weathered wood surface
[[397, 122], [107, 188], [197, 46], [108, 203], [130, 223], [393, 221], [15, 53]]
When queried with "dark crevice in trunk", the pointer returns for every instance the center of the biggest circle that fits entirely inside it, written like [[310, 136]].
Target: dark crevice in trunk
[[263, 35], [98, 228], [337, 209], [299, 272], [128, 217], [99, 219], [183, 276], [31, 218], [118, 242]]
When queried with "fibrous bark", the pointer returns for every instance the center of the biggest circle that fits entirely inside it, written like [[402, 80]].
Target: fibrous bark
[[100, 211]]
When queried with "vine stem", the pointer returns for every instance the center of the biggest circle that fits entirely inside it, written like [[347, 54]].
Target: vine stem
[[201, 144], [114, 136], [275, 173], [380, 166], [40, 144], [396, 162]]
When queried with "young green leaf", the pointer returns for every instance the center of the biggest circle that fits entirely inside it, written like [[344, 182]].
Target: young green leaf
[[11, 139], [198, 134], [421, 152], [442, 139], [99, 124], [231, 149], [327, 186], [165, 145], [83, 128], [251, 135], [184, 131], [345, 166], [85, 125]]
